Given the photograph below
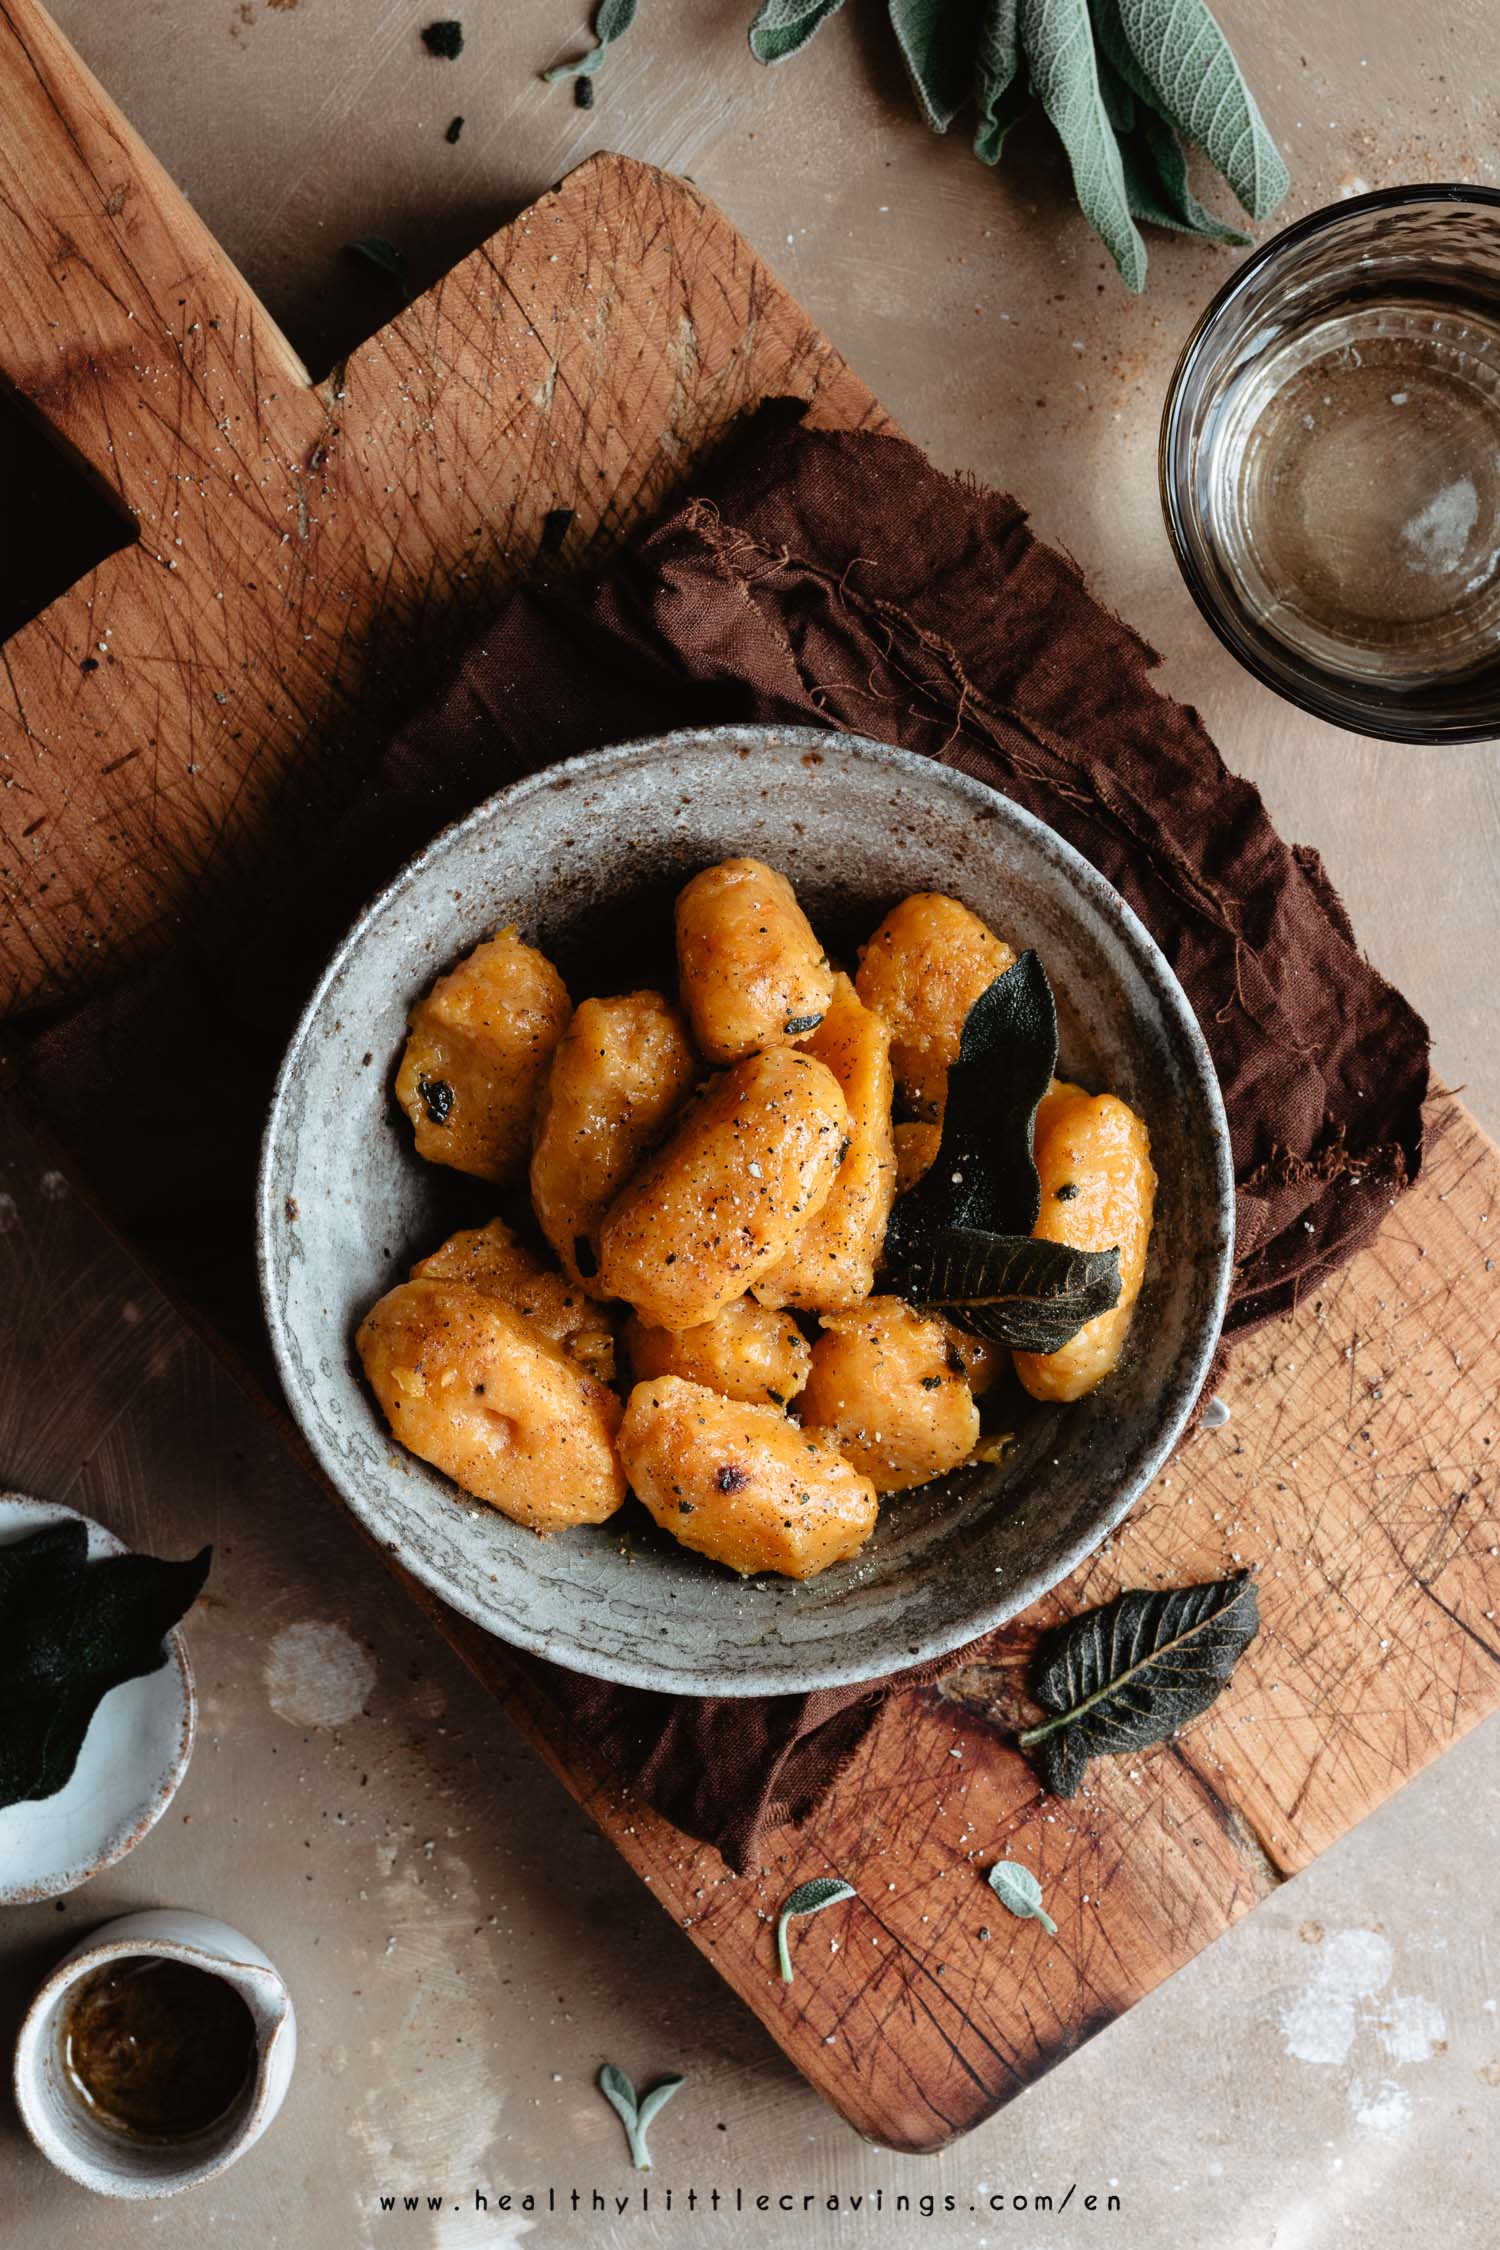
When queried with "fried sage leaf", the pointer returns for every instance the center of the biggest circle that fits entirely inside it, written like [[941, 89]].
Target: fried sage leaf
[[1128, 1675], [808, 1898], [1031, 1296], [960, 1240], [984, 1174], [1019, 1893], [636, 2116], [70, 1630]]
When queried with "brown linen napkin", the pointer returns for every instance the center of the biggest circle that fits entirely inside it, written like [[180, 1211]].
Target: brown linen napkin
[[839, 580]]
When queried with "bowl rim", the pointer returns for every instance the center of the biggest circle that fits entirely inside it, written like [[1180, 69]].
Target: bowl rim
[[1183, 1391], [1335, 705]]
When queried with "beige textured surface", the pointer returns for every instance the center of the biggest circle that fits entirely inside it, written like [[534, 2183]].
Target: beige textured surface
[[1301, 2083]]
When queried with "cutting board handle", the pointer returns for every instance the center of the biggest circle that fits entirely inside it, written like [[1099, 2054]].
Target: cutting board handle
[[108, 268]]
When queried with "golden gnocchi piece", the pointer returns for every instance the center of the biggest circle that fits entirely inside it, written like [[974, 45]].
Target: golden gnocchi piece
[[740, 1483], [833, 1259], [719, 1205], [478, 1044], [748, 1351], [891, 1392], [1098, 1193], [983, 1362], [470, 1385], [751, 971], [620, 1071], [491, 1260], [916, 1149], [923, 970]]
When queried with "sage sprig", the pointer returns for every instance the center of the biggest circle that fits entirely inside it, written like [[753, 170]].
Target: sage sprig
[[1128, 1675], [636, 2116], [1124, 84], [808, 1898], [1020, 1893]]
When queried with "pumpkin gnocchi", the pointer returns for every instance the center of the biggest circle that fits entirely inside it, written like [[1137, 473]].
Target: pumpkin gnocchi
[[477, 1046], [740, 1483], [716, 1172], [470, 1385]]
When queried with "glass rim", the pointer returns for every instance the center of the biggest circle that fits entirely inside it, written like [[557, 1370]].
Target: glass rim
[[1302, 683]]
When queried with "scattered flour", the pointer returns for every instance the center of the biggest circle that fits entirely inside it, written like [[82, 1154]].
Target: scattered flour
[[1318, 2026], [1439, 533], [1410, 2028], [317, 1675], [1379, 2105], [1344, 2004]]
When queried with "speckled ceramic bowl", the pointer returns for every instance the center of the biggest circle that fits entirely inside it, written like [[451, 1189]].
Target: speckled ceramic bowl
[[586, 858]]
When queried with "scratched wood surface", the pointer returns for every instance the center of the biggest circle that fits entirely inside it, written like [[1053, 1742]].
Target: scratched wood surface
[[301, 557]]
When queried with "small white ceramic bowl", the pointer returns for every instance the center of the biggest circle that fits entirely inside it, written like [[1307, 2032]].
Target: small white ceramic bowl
[[111, 2162], [133, 1757]]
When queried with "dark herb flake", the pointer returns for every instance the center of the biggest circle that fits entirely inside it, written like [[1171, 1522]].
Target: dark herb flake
[[445, 39], [455, 127], [437, 1099]]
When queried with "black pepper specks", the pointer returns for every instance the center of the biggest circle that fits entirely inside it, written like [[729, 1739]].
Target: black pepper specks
[[437, 1099], [730, 1478]]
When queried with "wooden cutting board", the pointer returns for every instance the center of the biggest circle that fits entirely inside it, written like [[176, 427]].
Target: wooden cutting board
[[297, 557]]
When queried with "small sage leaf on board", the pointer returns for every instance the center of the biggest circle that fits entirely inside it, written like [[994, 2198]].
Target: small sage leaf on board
[[961, 1239], [70, 1631], [783, 27], [1058, 36], [612, 19], [939, 40], [808, 1898], [636, 2116], [384, 257], [1019, 1893], [1128, 1675], [1184, 69], [1030, 1296]]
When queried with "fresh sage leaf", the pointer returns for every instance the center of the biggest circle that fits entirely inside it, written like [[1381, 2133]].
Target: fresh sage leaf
[[636, 2116], [1020, 1893], [70, 1631], [1128, 1675], [1058, 36], [1184, 67], [808, 1898], [783, 27], [1010, 1288], [1000, 90], [612, 19], [939, 41], [385, 258], [1156, 181]]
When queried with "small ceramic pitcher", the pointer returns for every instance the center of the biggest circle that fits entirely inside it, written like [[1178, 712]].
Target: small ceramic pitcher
[[112, 2162]]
